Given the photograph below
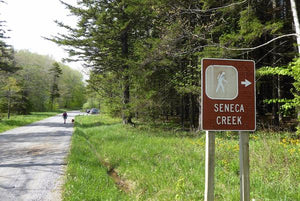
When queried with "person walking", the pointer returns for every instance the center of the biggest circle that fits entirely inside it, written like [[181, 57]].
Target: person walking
[[221, 81], [65, 116]]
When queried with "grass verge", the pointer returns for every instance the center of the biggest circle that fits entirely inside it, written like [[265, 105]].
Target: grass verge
[[22, 120], [156, 164]]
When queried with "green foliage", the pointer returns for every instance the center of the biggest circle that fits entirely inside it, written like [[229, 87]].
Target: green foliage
[[105, 90], [10, 90], [35, 78], [46, 84], [6, 51], [187, 82], [11, 86], [273, 71], [293, 71], [251, 28], [72, 88]]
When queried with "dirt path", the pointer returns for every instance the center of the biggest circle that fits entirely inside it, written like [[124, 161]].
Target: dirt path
[[32, 160]]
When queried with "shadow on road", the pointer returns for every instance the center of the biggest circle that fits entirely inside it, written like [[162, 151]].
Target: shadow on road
[[33, 136], [31, 165]]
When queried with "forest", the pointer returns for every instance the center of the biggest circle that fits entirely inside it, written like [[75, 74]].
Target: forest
[[145, 55], [145, 59], [31, 82]]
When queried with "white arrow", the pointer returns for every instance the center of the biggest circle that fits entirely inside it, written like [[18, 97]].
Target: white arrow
[[246, 83]]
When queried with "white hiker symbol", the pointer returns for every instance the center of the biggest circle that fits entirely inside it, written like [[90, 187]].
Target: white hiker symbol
[[221, 81]]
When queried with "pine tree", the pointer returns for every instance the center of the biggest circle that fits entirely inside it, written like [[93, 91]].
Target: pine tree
[[55, 71], [7, 63], [105, 38]]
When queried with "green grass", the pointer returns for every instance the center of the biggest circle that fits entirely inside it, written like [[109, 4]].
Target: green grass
[[22, 120], [160, 164]]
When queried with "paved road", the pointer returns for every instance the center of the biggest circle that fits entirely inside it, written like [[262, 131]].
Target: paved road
[[32, 160]]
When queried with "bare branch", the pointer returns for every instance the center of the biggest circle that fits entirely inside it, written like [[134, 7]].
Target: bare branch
[[259, 46], [270, 51]]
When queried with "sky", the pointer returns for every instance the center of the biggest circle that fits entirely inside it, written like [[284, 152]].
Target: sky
[[31, 20]]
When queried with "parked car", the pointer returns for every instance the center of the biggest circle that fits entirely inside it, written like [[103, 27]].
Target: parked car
[[94, 111]]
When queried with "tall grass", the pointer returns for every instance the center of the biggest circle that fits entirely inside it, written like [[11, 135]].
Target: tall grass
[[159, 164]]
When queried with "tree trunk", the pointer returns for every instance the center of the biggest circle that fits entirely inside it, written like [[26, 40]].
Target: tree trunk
[[52, 95], [126, 116], [296, 22], [182, 112], [199, 118], [275, 106], [126, 113], [297, 29], [8, 105], [191, 111], [280, 116], [52, 102]]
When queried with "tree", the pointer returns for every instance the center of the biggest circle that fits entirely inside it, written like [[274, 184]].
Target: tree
[[105, 37], [6, 51], [10, 90], [55, 72]]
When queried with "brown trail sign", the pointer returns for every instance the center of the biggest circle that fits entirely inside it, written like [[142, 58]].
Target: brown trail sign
[[228, 103], [228, 95]]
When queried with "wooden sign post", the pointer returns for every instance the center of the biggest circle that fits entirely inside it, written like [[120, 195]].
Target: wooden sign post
[[209, 166], [244, 167], [228, 104]]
